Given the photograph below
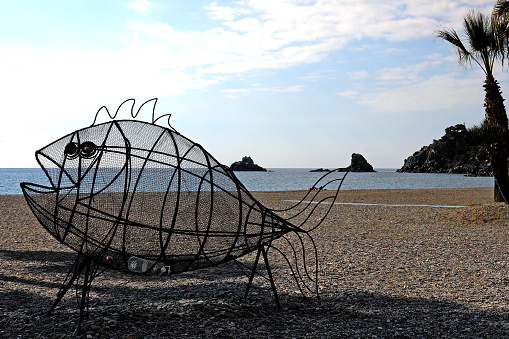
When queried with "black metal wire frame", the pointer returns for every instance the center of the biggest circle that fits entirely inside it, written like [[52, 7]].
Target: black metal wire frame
[[262, 250], [140, 198]]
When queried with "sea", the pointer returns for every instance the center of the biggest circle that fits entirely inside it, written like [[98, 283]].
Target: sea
[[289, 179]]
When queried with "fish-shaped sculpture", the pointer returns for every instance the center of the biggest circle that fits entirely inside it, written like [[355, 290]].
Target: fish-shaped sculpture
[[138, 197]]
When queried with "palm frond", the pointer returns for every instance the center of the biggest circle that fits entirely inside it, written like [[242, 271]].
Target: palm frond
[[451, 36], [478, 31], [483, 39], [501, 8], [500, 26]]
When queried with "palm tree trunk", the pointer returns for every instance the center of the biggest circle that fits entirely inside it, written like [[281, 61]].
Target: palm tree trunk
[[496, 116], [500, 168], [494, 103]]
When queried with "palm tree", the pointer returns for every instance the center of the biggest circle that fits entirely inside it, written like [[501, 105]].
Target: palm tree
[[485, 44]]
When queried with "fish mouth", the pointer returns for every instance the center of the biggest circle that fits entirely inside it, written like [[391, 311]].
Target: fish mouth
[[61, 212], [51, 206], [69, 220], [73, 208]]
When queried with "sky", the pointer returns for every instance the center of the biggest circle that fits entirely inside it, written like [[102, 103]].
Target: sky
[[297, 83]]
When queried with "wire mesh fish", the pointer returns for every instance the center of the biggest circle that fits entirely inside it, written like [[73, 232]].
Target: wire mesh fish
[[138, 197]]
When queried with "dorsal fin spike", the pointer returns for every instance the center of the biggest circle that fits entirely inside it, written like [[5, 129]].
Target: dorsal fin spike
[[153, 108], [136, 114], [112, 117], [168, 121], [99, 111], [120, 106]]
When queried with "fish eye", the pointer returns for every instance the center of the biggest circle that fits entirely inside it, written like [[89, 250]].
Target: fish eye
[[88, 149], [71, 150]]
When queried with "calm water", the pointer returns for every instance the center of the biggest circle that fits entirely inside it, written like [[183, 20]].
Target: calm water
[[286, 179]]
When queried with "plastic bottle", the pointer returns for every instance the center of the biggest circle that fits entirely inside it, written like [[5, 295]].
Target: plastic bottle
[[139, 265]]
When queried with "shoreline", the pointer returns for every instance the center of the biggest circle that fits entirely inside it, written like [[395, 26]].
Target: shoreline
[[355, 190], [432, 196]]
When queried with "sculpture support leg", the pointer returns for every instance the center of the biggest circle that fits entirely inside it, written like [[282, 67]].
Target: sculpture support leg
[[250, 282], [276, 298], [87, 281], [262, 251], [76, 269], [82, 264]]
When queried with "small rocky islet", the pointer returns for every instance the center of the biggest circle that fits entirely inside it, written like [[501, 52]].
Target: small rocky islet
[[246, 164], [357, 164]]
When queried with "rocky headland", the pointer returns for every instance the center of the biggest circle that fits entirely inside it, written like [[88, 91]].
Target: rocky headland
[[246, 164], [455, 152]]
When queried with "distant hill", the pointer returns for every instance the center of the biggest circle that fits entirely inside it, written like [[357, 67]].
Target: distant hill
[[458, 151]]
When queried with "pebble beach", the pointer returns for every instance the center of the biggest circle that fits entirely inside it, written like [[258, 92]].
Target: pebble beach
[[431, 263]]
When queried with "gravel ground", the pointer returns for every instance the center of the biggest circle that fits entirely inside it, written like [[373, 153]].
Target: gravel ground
[[385, 271]]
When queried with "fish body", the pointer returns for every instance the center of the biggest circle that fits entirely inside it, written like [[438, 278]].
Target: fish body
[[128, 188]]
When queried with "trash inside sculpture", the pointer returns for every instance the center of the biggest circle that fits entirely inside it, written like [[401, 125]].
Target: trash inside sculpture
[[140, 198]]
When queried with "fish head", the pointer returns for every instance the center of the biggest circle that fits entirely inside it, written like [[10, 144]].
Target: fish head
[[73, 161], [83, 168]]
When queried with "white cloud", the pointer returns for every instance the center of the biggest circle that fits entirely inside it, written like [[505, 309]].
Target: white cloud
[[150, 69], [296, 88], [60, 91], [267, 34], [405, 75], [321, 74], [347, 94], [289, 89], [359, 75], [439, 92], [453, 11], [313, 77], [220, 12], [140, 5], [255, 34], [393, 50], [245, 25], [241, 90], [404, 28], [225, 13]]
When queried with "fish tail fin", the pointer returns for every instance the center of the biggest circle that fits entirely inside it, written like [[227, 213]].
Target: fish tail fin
[[309, 212], [299, 253]]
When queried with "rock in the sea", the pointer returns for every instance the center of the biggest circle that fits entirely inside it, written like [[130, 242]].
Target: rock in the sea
[[247, 164], [360, 164], [357, 164], [319, 170], [453, 153]]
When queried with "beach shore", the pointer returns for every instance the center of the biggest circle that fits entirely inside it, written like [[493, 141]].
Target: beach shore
[[384, 271]]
